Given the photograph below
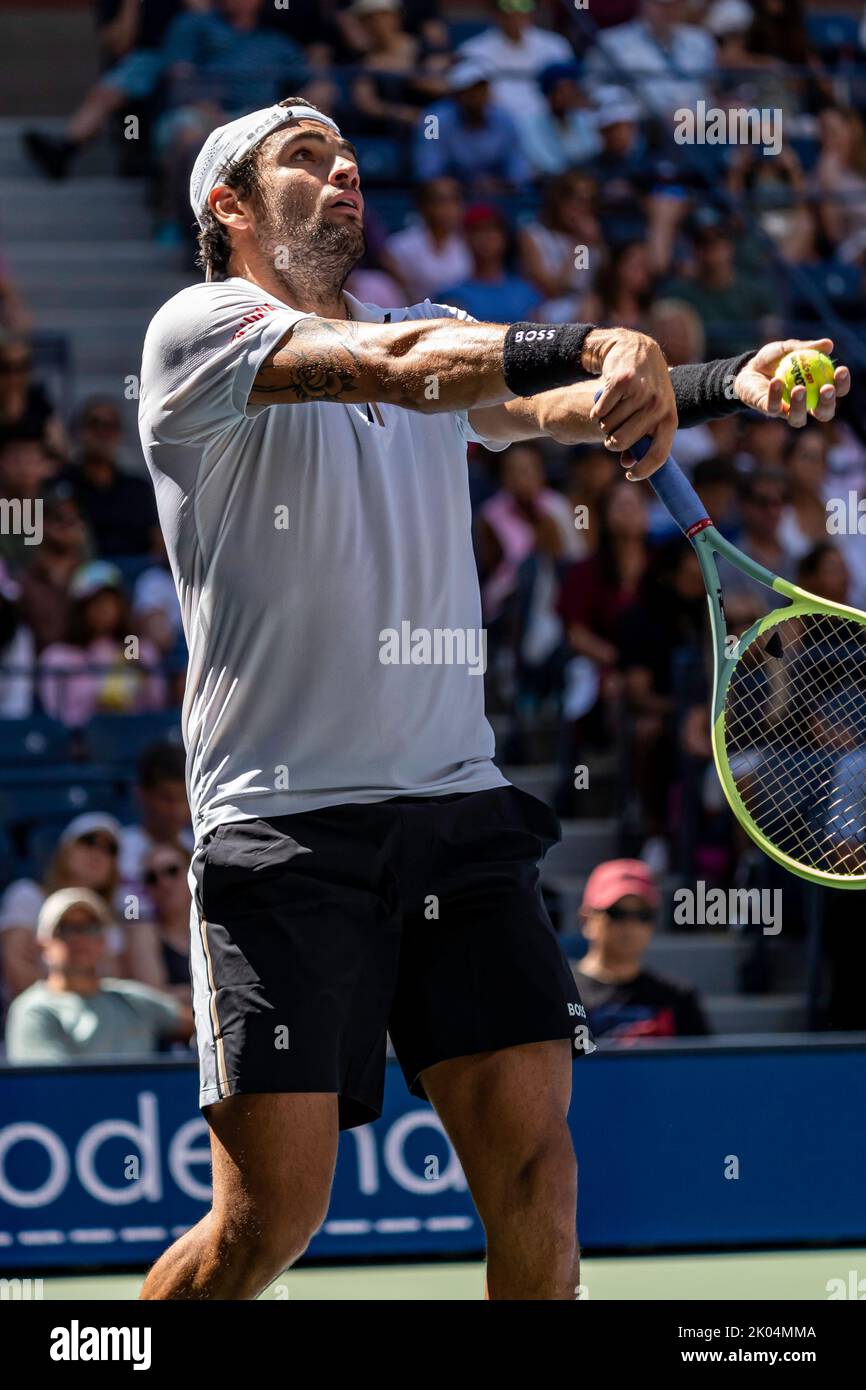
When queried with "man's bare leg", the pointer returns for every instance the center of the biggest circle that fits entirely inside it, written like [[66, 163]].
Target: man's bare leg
[[506, 1115], [273, 1165]]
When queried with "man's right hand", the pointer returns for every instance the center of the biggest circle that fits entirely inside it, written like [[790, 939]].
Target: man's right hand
[[637, 397]]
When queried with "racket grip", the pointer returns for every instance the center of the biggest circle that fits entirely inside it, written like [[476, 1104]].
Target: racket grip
[[673, 489]]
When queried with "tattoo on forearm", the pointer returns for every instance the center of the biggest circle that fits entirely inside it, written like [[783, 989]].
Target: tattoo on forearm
[[317, 374]]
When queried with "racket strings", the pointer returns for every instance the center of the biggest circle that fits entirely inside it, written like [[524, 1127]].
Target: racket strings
[[795, 738]]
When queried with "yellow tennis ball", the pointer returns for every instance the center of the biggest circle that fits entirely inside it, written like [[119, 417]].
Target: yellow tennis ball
[[808, 368]]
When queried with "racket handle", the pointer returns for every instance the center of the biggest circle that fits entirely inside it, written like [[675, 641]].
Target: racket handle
[[672, 487]]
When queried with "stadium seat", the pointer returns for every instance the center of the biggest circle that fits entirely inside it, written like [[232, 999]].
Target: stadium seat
[[382, 158], [831, 32], [462, 30], [119, 739], [55, 802], [27, 742]]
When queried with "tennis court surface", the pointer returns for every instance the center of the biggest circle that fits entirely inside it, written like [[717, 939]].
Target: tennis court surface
[[799, 1275]]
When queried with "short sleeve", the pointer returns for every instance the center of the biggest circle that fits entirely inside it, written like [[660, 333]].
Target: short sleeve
[[461, 417], [34, 1033], [20, 904], [158, 1010], [202, 353]]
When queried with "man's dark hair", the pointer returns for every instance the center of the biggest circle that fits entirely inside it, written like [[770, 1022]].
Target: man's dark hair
[[161, 762], [214, 242]]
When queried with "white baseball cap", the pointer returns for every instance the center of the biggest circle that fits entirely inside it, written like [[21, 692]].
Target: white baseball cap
[[89, 823], [231, 142], [55, 908]]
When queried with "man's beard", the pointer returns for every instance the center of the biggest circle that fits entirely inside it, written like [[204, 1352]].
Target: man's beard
[[312, 256]]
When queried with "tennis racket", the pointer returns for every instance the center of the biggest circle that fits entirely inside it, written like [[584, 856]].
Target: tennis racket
[[788, 715]]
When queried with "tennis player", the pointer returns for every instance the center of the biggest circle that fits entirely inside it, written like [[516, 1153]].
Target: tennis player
[[361, 864]]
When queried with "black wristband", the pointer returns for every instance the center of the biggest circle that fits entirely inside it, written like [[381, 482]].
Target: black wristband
[[541, 356], [703, 390]]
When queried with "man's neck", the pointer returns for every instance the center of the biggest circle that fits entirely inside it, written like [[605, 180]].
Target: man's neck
[[72, 982], [329, 305], [97, 470], [609, 972]]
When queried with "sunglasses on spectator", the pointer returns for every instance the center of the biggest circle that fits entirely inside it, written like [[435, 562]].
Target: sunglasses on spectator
[[634, 914], [68, 929], [153, 876], [96, 841]]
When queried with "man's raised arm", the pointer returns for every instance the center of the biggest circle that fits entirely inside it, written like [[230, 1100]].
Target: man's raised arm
[[438, 365]]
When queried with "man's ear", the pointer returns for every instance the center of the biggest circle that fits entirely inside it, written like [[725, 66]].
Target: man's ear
[[227, 208]]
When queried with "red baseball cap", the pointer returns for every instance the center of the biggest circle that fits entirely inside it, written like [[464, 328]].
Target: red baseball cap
[[616, 879]]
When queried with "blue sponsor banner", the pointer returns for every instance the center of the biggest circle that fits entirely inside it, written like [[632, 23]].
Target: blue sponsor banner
[[678, 1146]]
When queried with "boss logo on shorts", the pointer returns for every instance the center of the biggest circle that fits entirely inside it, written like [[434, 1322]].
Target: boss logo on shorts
[[577, 1010]]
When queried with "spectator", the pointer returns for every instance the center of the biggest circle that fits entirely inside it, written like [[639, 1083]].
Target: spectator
[[14, 315], [840, 177], [594, 594], [523, 519], [398, 76], [156, 608], [228, 61], [560, 250], [420, 17], [119, 508], [804, 519], [25, 408], [515, 51], [563, 132], [25, 467], [159, 948], [735, 309], [131, 32], [823, 571], [471, 140], [101, 666], [75, 1012], [17, 653], [666, 622], [624, 288], [218, 65], [621, 168], [492, 294], [45, 580], [671, 62], [164, 819], [763, 500], [624, 999], [432, 251], [86, 856], [590, 474]]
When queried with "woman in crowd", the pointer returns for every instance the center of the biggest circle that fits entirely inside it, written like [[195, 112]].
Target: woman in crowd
[[101, 667], [85, 857], [159, 947], [561, 250], [399, 76], [25, 408]]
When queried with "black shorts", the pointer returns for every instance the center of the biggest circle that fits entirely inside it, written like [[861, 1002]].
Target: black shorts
[[319, 933]]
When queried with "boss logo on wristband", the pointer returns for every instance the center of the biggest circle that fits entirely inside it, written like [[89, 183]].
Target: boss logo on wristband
[[533, 335]]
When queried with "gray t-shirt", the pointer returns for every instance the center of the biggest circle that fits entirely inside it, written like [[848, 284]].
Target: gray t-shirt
[[323, 560], [121, 1018]]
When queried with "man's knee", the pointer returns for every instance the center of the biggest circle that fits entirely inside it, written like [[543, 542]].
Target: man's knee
[[261, 1243]]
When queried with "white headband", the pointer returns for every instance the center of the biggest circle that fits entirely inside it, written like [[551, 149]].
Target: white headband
[[231, 142]]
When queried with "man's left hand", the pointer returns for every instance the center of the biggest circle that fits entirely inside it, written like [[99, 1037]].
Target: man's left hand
[[756, 386]]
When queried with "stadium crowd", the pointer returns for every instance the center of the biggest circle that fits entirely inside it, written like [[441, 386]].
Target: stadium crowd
[[521, 166]]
